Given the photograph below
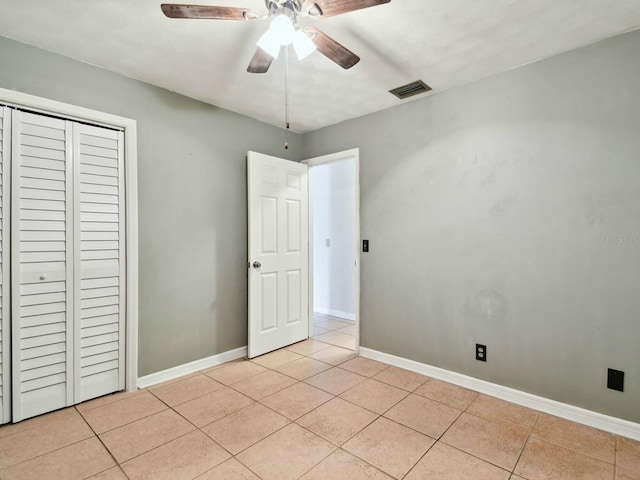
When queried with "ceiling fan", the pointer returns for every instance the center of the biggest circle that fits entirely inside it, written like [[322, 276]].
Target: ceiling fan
[[284, 29]]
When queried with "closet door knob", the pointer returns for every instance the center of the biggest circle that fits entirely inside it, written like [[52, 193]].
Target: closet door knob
[[43, 276], [257, 264]]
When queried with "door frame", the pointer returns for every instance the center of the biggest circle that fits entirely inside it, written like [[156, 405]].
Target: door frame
[[352, 154], [46, 106]]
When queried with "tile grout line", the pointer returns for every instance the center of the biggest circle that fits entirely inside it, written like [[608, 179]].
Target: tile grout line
[[615, 439], [315, 465], [588, 455], [121, 392], [465, 410], [46, 453], [101, 443], [515, 466], [533, 427], [157, 446], [421, 457], [365, 461], [475, 456], [133, 421], [437, 440], [137, 420], [369, 410], [352, 436], [289, 422], [191, 399]]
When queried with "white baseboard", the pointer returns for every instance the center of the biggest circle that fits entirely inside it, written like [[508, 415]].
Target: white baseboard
[[336, 313], [191, 367], [597, 420]]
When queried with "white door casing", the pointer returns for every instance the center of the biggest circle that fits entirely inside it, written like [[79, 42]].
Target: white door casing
[[278, 231], [5, 259], [352, 154], [19, 100]]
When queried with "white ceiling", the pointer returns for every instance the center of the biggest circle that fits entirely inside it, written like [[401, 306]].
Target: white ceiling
[[443, 42]]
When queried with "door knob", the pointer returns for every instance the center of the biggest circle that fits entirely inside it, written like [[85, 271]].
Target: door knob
[[43, 276], [257, 264]]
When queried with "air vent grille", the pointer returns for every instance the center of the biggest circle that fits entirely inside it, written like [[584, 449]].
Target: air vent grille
[[411, 89]]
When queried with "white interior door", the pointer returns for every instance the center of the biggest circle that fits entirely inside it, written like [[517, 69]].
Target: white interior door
[[99, 286], [68, 263], [278, 227], [42, 272]]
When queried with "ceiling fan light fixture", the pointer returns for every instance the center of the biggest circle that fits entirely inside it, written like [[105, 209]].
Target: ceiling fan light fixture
[[303, 45], [270, 44], [283, 29]]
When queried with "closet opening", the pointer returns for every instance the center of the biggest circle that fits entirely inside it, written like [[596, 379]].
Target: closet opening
[[68, 245]]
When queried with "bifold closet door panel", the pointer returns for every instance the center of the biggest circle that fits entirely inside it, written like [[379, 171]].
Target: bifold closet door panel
[[42, 264], [5, 332], [100, 272]]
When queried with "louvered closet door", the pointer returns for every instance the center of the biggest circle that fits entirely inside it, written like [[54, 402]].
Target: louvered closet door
[[5, 332], [100, 273], [42, 268]]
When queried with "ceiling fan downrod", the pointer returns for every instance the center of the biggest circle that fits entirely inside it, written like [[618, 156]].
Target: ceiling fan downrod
[[286, 97]]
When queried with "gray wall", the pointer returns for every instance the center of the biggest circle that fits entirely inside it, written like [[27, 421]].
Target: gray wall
[[507, 212], [192, 197]]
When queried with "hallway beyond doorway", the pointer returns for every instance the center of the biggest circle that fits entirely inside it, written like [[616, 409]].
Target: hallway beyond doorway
[[334, 330]]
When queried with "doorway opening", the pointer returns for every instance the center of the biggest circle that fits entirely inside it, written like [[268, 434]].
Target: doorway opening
[[334, 239]]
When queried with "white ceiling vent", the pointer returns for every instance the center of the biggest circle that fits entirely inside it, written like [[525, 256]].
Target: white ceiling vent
[[411, 89]]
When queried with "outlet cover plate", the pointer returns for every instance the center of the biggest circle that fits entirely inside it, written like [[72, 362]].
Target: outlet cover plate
[[481, 352]]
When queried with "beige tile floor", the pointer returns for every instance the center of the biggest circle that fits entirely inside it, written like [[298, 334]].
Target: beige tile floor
[[334, 331], [312, 411]]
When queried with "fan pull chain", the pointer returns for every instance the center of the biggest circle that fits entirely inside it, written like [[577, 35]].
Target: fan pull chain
[[286, 96]]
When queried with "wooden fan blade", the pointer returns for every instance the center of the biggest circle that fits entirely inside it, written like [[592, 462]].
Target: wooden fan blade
[[260, 62], [173, 10], [332, 49], [331, 8]]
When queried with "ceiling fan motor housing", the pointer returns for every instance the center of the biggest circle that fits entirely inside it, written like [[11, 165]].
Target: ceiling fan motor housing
[[295, 5], [299, 7]]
